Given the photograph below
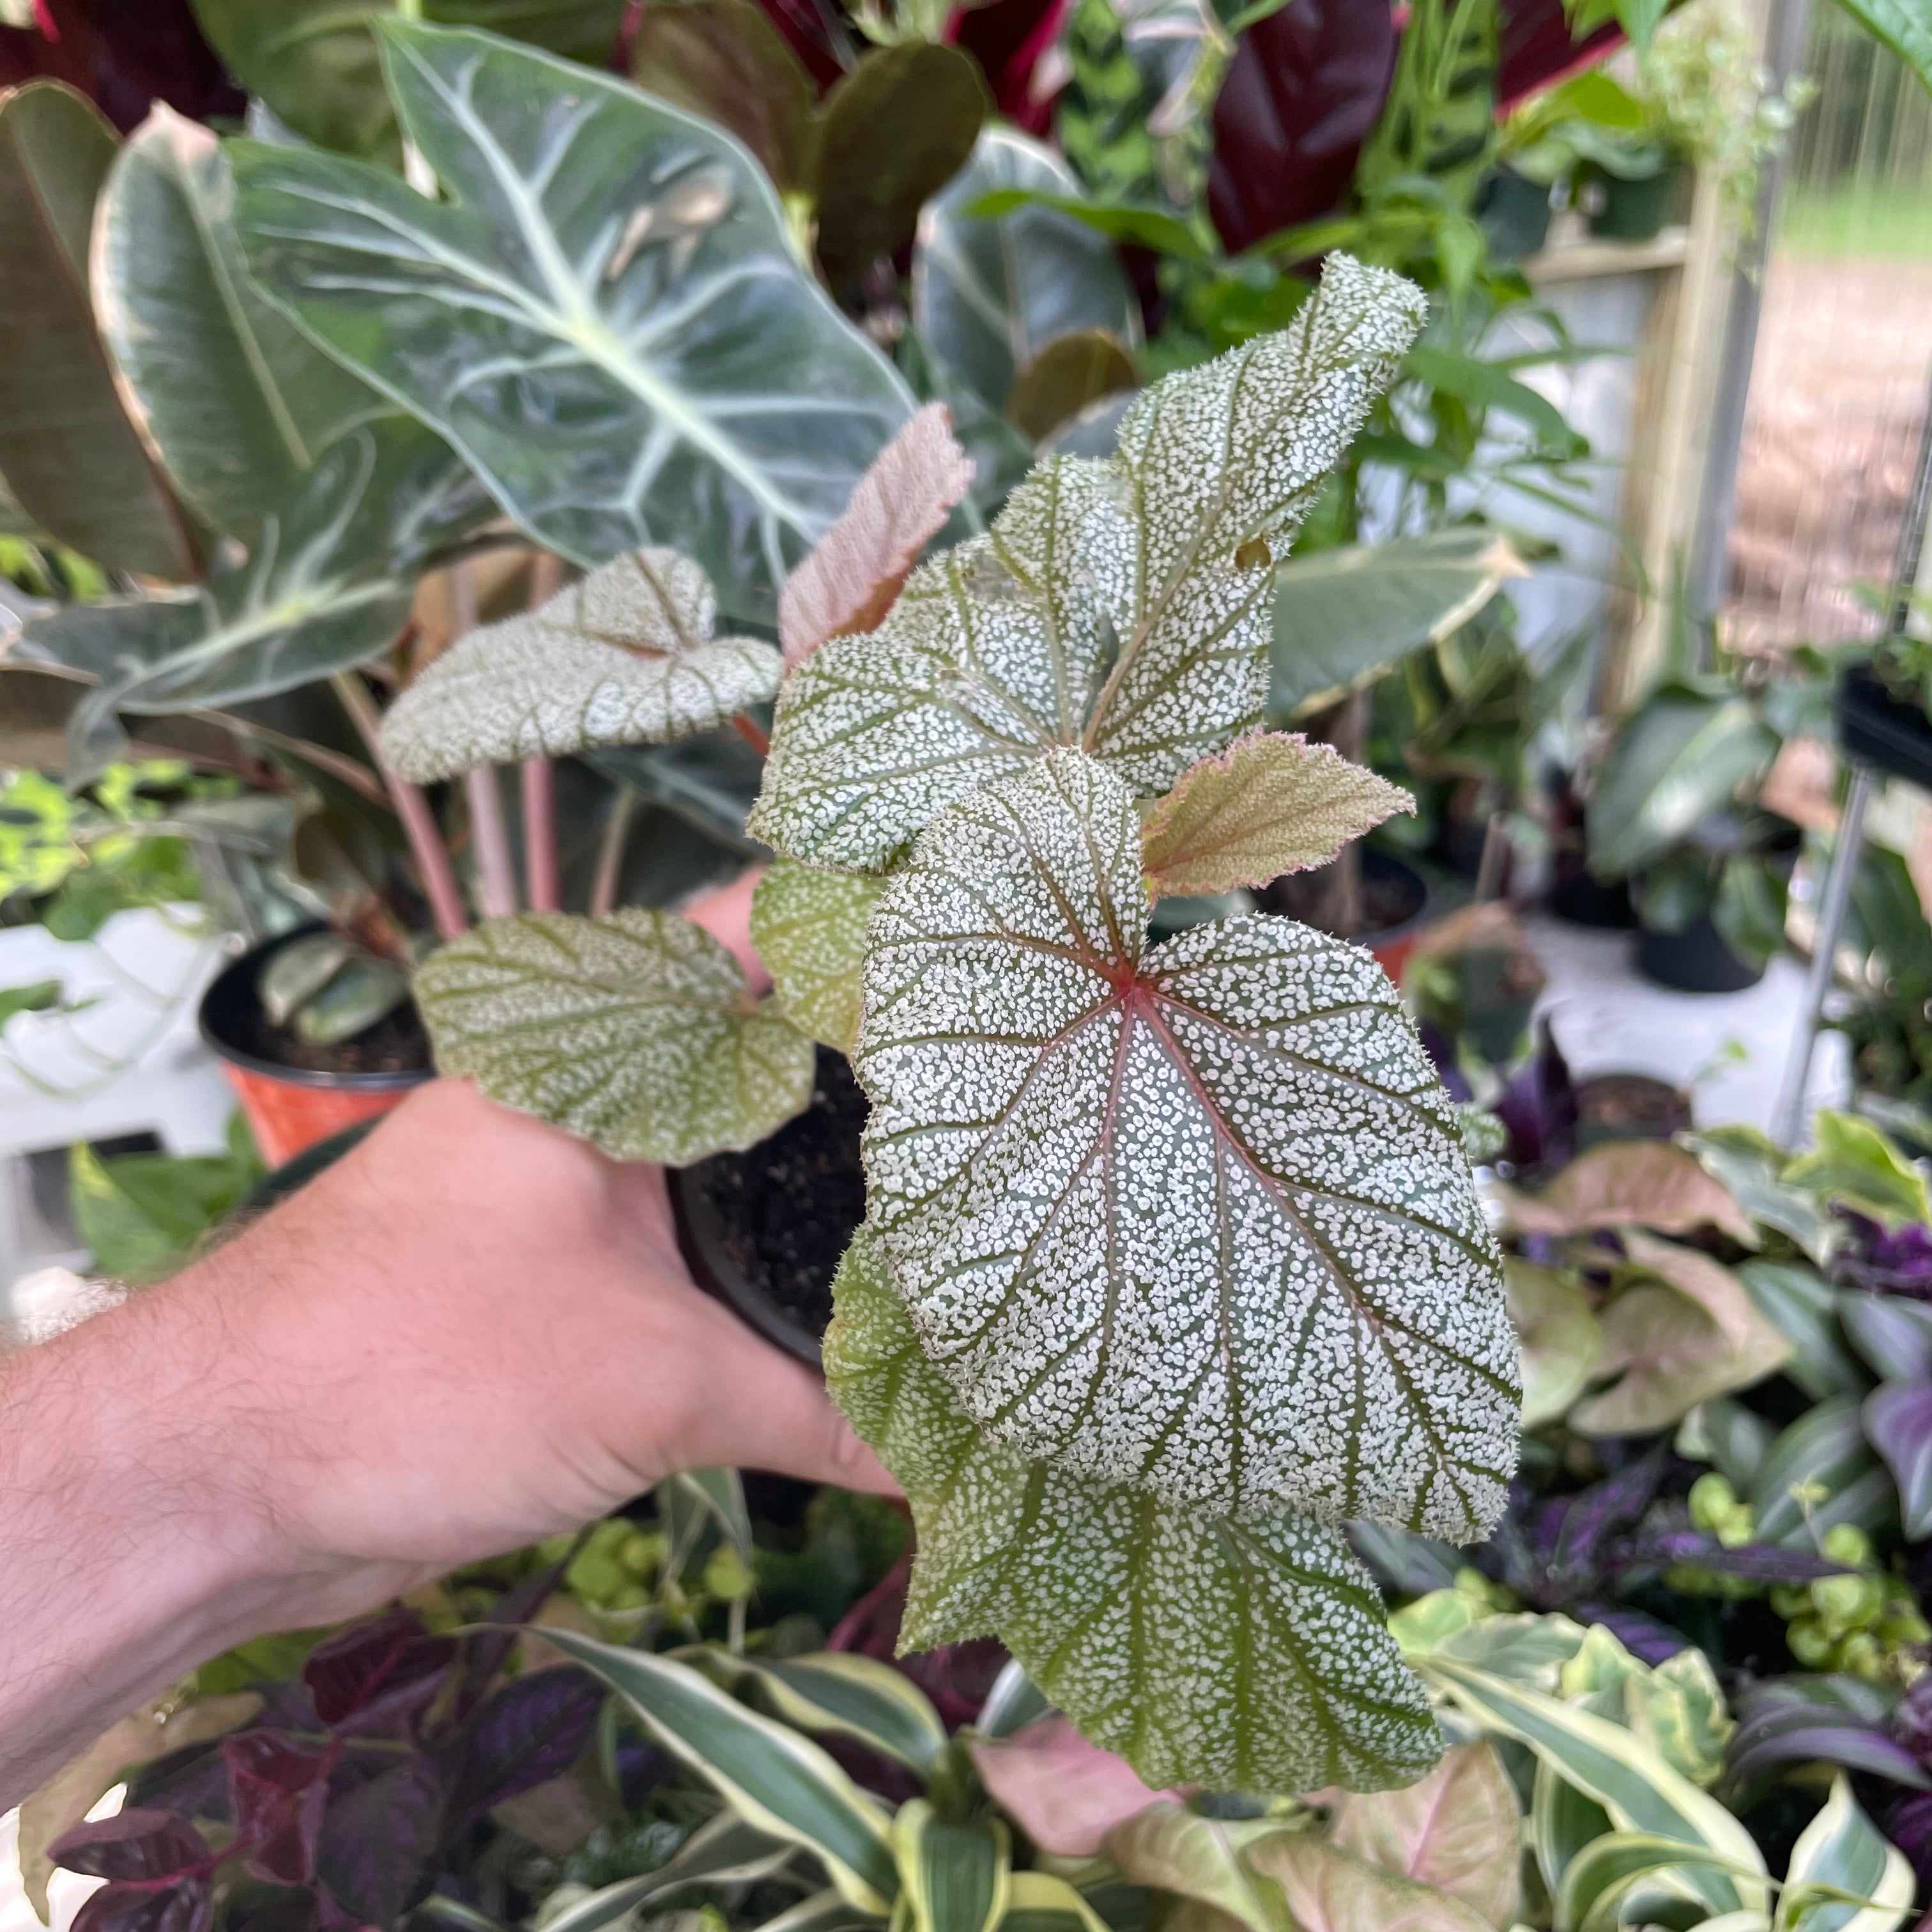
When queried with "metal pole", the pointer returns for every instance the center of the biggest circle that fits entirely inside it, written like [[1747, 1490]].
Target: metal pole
[[1788, 1121]]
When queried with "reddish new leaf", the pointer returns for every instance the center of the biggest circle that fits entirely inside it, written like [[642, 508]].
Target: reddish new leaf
[[277, 1794], [1008, 38], [379, 1676], [138, 1845], [847, 585], [187, 1907], [1538, 50]]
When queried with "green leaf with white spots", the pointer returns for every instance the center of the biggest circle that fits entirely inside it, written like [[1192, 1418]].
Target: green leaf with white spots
[[1197, 1218], [1251, 1656], [636, 1031], [1120, 606], [625, 657], [809, 928]]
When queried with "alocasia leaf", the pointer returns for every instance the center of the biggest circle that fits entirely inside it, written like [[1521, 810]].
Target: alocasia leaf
[[1117, 605], [848, 583], [625, 657], [1271, 803], [237, 402], [1197, 1218], [987, 295], [809, 928], [1246, 1657], [635, 1030], [605, 316]]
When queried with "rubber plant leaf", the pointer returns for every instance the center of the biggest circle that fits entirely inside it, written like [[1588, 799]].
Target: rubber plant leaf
[[1093, 1175], [326, 585], [635, 1031], [1251, 1658], [237, 404], [849, 582], [627, 656], [72, 461], [808, 926], [1271, 803], [1303, 91], [1117, 605], [987, 295], [315, 64], [604, 316]]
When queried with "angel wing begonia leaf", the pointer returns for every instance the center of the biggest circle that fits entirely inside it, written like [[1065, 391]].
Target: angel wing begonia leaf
[[1244, 1657], [1197, 1219], [809, 928], [1271, 803], [635, 1031], [1118, 605], [626, 657]]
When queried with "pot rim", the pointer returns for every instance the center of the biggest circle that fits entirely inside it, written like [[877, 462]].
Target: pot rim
[[699, 1225]]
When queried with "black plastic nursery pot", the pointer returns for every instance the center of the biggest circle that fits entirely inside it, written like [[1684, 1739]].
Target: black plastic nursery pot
[[295, 1096], [1696, 960], [1637, 211], [764, 1231], [1888, 733], [1514, 213]]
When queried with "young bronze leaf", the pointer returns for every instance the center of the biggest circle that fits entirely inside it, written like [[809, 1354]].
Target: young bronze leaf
[[848, 583], [1119, 606], [809, 928], [635, 1031], [1271, 803], [1198, 1220], [1245, 1657], [625, 657]]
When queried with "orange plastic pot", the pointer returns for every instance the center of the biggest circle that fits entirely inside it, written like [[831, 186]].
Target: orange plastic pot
[[288, 1108], [1393, 943]]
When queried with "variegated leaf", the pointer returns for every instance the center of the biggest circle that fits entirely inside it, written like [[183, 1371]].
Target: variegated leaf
[[1271, 803], [809, 928], [848, 583], [635, 1030], [1249, 1657], [625, 657], [1199, 1219], [1119, 605]]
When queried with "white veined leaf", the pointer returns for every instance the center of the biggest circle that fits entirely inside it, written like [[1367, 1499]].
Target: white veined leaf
[[725, 1851], [808, 925], [1118, 605], [1328, 1891], [326, 584], [858, 1696], [625, 657], [1197, 1220], [1604, 1761], [988, 295], [1248, 1656], [605, 316], [953, 1877], [1840, 1860], [777, 1781], [236, 402], [635, 1030]]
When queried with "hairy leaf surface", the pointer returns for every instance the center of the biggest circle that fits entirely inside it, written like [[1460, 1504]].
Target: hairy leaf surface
[[1247, 1656], [626, 657], [1271, 803], [809, 928], [605, 316], [1118, 605], [1199, 1219], [634, 1030]]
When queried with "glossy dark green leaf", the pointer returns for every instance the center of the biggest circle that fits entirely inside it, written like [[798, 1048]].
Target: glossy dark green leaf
[[893, 133], [141, 1215], [604, 318], [314, 62], [72, 460], [235, 401]]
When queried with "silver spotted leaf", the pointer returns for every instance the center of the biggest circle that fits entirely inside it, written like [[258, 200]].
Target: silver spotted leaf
[[1243, 1657], [1121, 605], [809, 928], [635, 1031], [1196, 1218], [626, 657]]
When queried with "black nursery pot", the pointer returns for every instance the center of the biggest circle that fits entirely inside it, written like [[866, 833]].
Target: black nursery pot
[[1694, 961], [1880, 729], [763, 1230]]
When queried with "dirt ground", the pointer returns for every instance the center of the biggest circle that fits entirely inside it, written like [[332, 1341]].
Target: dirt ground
[[1839, 393]]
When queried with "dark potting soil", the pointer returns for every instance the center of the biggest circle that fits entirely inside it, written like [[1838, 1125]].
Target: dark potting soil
[[789, 1205], [396, 1043]]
